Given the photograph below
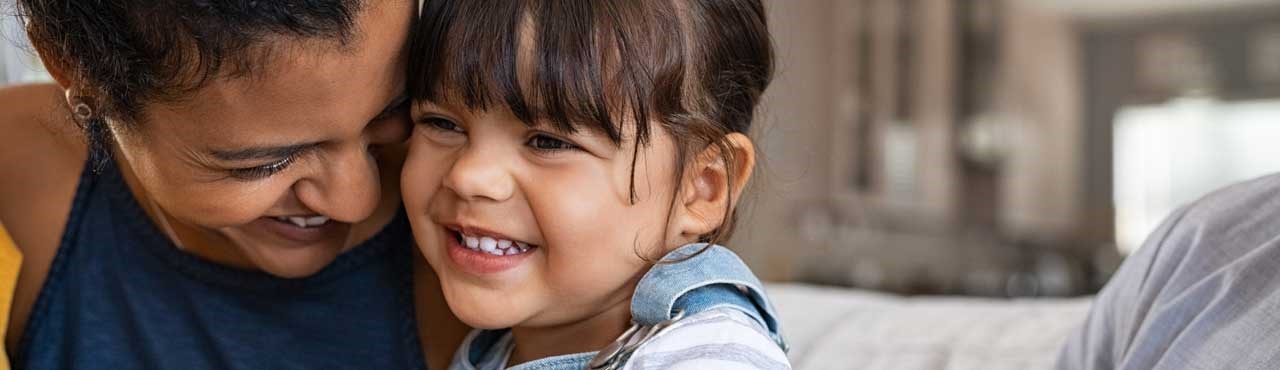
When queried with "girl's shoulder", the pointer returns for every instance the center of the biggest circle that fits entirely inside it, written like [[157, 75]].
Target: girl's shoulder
[[722, 338]]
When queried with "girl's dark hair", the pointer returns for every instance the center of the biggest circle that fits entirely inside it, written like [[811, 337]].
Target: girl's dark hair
[[124, 54], [695, 67]]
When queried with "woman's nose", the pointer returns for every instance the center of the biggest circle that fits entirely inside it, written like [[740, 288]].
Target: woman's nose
[[346, 189]]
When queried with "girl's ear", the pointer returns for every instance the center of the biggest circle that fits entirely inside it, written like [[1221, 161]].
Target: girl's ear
[[713, 185]]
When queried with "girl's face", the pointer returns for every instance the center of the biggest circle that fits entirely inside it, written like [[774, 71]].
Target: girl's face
[[232, 170], [528, 227]]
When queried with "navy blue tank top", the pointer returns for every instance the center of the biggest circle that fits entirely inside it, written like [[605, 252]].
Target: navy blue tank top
[[121, 295]]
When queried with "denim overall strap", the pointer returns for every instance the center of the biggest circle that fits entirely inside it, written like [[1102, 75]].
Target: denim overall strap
[[693, 282], [684, 284]]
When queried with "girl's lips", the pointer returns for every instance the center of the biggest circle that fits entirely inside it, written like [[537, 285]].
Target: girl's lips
[[477, 262]]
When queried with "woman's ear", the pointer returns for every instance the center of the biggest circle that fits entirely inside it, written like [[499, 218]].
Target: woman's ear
[[56, 68], [713, 185]]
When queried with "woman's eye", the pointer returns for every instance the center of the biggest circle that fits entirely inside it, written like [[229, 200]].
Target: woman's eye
[[440, 124], [261, 172], [546, 143]]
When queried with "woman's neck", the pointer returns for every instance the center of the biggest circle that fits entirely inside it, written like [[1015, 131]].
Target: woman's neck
[[586, 335]]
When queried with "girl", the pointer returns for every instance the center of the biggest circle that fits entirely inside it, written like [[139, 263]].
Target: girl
[[563, 148]]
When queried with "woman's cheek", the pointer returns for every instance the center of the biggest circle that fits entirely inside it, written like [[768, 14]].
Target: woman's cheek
[[229, 205]]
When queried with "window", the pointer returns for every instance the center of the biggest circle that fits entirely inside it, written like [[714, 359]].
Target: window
[[18, 63], [1171, 154]]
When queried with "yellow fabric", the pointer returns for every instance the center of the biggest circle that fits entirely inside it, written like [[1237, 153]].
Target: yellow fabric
[[10, 262]]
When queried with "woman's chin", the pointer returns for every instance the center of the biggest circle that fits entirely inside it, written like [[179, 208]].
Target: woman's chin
[[293, 263], [287, 251]]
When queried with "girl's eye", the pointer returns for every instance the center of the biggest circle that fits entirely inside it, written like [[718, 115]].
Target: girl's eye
[[441, 124], [545, 143], [261, 172]]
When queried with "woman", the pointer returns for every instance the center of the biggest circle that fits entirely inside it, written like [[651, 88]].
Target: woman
[[213, 185]]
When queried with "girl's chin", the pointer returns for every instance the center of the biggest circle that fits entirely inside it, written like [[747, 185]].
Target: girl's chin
[[483, 311], [486, 319]]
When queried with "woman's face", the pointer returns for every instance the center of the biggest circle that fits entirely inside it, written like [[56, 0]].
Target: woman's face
[[280, 171]]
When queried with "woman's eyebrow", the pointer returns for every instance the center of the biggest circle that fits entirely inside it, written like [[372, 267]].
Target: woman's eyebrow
[[264, 152]]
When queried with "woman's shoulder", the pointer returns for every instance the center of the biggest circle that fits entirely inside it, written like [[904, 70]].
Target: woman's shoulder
[[39, 134], [41, 155], [35, 116], [722, 338]]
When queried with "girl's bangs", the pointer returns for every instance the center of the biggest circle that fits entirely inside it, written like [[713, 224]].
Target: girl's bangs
[[571, 64]]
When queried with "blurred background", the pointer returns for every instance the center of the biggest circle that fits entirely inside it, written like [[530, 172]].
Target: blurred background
[[998, 148]]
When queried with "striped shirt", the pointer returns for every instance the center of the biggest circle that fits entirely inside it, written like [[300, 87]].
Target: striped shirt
[[718, 339], [714, 339]]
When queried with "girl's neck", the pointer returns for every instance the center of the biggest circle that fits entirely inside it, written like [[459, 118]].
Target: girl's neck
[[586, 335]]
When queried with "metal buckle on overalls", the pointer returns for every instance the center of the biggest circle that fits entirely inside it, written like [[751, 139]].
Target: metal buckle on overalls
[[613, 356]]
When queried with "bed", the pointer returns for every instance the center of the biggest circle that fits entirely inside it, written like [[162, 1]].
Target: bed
[[836, 328]]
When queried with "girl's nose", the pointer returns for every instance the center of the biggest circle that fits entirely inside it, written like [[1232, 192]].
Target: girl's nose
[[479, 174]]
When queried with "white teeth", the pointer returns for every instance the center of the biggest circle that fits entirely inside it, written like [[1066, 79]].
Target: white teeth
[[494, 246], [488, 245], [317, 221], [303, 222]]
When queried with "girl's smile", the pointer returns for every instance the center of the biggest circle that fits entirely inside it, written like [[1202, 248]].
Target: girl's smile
[[482, 252]]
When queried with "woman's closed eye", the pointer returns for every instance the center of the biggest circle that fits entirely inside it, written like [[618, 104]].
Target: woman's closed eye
[[263, 171]]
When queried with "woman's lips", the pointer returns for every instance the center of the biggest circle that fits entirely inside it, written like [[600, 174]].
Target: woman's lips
[[479, 262], [294, 235]]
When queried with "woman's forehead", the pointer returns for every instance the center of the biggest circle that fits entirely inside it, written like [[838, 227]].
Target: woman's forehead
[[300, 92]]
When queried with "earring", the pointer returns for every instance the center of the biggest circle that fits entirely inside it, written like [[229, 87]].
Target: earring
[[82, 111], [80, 107]]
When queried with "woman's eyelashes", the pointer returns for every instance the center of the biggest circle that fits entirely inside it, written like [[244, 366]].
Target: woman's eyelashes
[[263, 171]]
